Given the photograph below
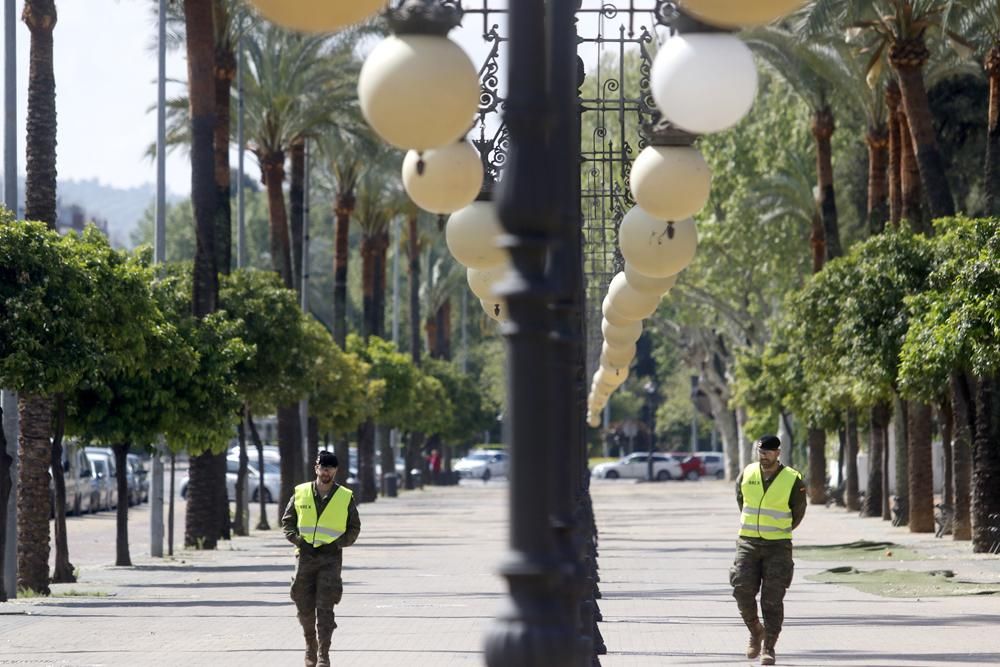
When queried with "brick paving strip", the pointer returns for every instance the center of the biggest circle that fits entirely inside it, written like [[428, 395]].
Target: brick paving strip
[[421, 588]]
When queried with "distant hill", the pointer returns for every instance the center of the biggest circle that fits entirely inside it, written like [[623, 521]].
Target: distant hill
[[120, 208]]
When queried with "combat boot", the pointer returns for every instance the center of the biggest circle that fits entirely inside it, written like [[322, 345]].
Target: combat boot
[[767, 656], [756, 637], [324, 632], [308, 622]]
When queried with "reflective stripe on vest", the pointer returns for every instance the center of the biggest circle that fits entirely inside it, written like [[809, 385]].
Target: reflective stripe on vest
[[767, 514], [331, 524]]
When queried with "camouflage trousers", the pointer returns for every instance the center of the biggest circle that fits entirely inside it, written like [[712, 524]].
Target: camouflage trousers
[[766, 567], [317, 583]]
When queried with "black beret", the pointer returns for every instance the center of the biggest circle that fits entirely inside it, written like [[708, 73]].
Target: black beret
[[768, 442], [327, 459]]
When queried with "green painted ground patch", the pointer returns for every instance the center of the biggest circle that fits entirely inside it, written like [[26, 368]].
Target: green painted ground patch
[[860, 550], [905, 583]]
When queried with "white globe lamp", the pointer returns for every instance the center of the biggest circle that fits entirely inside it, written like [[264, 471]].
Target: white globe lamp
[[621, 336], [704, 82], [612, 315], [443, 180], [472, 234], [646, 284], [316, 15], [654, 247], [481, 281], [495, 308], [630, 303], [739, 13], [670, 182], [617, 357]]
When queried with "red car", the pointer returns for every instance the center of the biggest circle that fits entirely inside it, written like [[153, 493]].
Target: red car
[[692, 467]]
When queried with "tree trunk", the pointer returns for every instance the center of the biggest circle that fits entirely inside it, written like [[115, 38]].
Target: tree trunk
[[851, 499], [963, 405], [122, 558], [893, 99], [366, 462], [241, 522], [947, 417], [817, 241], [886, 472], [430, 327], [379, 288], [413, 255], [63, 571], [200, 40], [878, 175], [33, 502], [901, 434], [991, 183], [908, 58], [6, 484], [726, 421], [817, 466], [342, 448], [444, 330], [345, 206], [201, 522], [369, 252], [386, 458], [876, 443], [40, 144], [911, 192], [986, 468], [312, 439], [921, 478], [822, 128], [219, 469], [225, 73], [296, 208], [290, 446], [262, 521], [273, 165]]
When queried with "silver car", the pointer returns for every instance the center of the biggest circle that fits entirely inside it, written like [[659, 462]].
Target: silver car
[[636, 466], [483, 464]]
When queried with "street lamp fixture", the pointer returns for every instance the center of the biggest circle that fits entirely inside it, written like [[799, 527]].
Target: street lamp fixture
[[619, 336], [612, 315], [655, 247], [643, 283], [629, 302], [418, 89], [670, 179], [443, 180], [317, 16], [472, 234]]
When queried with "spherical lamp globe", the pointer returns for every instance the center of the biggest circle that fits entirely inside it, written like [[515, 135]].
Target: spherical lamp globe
[[739, 13], [316, 15], [612, 315], [443, 180], [670, 182], [704, 82], [614, 377], [617, 357], [472, 234], [630, 303], [481, 281], [654, 247], [643, 283], [620, 336], [418, 91]]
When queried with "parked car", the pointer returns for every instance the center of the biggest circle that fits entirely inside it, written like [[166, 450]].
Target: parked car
[[713, 463], [272, 481], [79, 479], [635, 466], [139, 487], [103, 464], [692, 467], [482, 464]]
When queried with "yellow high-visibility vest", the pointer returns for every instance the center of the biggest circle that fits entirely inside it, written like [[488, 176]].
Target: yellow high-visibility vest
[[767, 514], [331, 524]]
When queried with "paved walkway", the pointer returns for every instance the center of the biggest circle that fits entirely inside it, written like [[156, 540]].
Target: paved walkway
[[421, 588]]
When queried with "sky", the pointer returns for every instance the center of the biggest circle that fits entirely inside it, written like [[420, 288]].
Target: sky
[[105, 70]]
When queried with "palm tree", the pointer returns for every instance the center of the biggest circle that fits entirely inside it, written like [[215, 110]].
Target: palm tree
[[445, 278], [34, 447]]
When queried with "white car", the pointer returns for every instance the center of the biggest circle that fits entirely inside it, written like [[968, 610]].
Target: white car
[[483, 464], [635, 466], [713, 463]]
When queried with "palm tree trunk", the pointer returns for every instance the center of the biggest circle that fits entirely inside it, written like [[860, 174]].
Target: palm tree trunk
[[816, 439], [200, 40], [63, 571], [34, 453], [878, 183], [40, 145], [851, 499], [430, 327], [225, 73], [296, 208], [876, 444], [908, 58], [817, 241], [367, 491], [342, 448], [274, 180], [262, 520], [963, 405], [122, 558], [910, 188], [223, 525], [947, 417], [6, 484], [444, 329], [823, 127], [992, 180], [379, 293], [345, 206], [290, 446], [201, 518], [413, 255], [921, 471], [901, 433], [241, 522], [893, 99], [369, 252], [986, 468]]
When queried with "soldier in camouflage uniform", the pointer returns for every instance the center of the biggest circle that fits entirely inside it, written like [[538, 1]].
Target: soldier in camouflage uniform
[[772, 501], [320, 520]]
